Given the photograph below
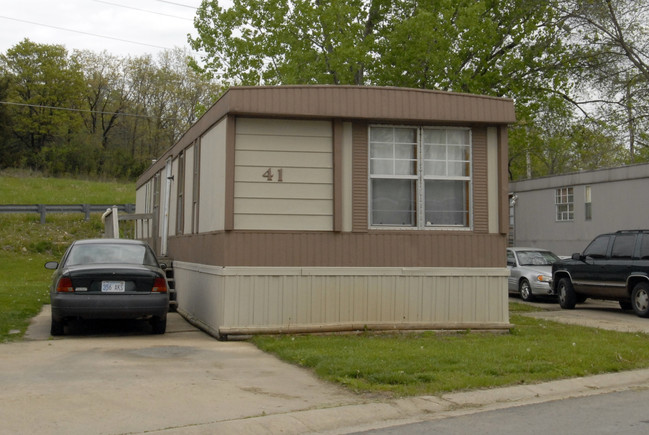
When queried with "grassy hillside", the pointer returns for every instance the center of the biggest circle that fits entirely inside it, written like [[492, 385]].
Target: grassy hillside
[[39, 190], [25, 244]]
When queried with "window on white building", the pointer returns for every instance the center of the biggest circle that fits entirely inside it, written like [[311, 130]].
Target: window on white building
[[564, 202], [588, 204], [420, 177]]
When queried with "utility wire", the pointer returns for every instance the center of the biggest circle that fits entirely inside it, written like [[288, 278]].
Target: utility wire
[[85, 33], [142, 10], [69, 109], [177, 4]]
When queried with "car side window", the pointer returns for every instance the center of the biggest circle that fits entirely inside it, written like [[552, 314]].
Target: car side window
[[597, 248], [623, 246], [644, 247], [510, 259]]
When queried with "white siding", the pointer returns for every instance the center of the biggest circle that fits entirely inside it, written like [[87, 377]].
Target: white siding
[[212, 179], [302, 151], [312, 299]]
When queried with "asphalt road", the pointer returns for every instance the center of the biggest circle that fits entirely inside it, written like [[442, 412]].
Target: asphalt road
[[621, 413]]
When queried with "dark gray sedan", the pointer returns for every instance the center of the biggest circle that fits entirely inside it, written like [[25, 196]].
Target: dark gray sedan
[[530, 272], [108, 279]]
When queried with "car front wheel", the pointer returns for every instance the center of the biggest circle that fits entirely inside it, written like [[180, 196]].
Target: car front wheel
[[640, 299], [567, 297], [526, 291]]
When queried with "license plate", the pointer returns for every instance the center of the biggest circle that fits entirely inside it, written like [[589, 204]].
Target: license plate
[[113, 286]]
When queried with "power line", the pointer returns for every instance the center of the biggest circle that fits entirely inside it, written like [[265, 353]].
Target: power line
[[142, 10], [177, 4], [84, 33], [70, 109]]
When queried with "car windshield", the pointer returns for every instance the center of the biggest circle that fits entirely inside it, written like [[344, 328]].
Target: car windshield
[[105, 253], [536, 258]]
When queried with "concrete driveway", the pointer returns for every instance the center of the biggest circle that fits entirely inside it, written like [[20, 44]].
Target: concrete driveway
[[121, 379], [115, 381], [592, 313]]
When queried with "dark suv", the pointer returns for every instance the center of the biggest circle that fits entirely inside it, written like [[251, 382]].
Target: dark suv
[[614, 266]]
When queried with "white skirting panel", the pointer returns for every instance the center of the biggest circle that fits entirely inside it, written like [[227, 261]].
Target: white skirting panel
[[247, 300]]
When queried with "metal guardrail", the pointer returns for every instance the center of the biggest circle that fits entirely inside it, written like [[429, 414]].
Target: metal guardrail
[[43, 209]]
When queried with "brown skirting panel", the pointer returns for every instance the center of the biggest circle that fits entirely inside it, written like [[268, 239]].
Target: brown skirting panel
[[326, 249]]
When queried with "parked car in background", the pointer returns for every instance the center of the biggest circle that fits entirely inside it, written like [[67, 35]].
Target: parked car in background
[[530, 272], [108, 279], [613, 266]]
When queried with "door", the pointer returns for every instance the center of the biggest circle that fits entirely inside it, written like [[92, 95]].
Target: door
[[587, 274]]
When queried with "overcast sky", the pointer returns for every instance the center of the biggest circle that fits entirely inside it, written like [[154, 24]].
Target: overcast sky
[[122, 27]]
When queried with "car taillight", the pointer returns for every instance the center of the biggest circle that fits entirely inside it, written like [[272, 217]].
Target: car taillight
[[159, 285], [65, 285]]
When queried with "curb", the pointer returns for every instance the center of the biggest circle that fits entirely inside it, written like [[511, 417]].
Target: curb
[[353, 418]]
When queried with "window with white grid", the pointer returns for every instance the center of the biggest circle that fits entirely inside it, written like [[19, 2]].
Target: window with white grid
[[420, 177], [564, 203]]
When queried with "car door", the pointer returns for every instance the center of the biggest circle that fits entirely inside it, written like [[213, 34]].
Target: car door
[[617, 266], [586, 273], [512, 281]]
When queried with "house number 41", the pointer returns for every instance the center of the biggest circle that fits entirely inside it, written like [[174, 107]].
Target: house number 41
[[269, 175]]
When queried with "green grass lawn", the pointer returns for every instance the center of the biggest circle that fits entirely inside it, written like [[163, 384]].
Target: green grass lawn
[[430, 363], [38, 190], [25, 244]]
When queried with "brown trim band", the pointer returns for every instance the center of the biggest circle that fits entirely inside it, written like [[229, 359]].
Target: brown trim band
[[328, 249]]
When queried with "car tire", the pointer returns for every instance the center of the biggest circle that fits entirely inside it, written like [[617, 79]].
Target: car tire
[[56, 328], [159, 324], [640, 299], [567, 296], [525, 291]]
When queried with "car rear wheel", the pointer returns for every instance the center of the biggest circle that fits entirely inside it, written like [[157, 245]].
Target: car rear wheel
[[640, 299], [56, 328], [525, 290], [567, 297], [159, 324]]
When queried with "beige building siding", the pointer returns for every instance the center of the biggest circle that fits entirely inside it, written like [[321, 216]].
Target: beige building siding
[[298, 151], [144, 204], [212, 179], [230, 301]]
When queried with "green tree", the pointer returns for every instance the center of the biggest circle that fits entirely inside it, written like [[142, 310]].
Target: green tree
[[288, 41], [496, 47], [42, 80], [612, 41], [6, 153], [106, 94]]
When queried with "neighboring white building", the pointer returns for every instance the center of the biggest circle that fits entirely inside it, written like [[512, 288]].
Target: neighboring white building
[[563, 213]]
